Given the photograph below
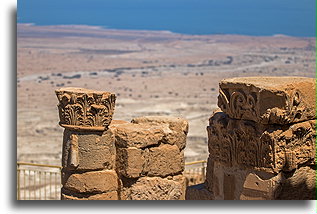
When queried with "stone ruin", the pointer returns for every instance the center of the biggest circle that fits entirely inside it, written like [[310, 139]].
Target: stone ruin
[[261, 145], [261, 141], [118, 160]]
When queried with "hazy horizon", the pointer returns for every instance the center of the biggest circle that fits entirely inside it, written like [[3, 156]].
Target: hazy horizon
[[243, 17]]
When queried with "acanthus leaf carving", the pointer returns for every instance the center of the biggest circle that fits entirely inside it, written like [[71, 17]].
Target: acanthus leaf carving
[[238, 104], [280, 101], [85, 109], [257, 146]]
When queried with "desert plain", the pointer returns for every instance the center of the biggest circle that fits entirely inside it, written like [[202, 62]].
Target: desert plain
[[151, 73]]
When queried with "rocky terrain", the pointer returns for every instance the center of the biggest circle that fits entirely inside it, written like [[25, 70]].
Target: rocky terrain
[[151, 72]]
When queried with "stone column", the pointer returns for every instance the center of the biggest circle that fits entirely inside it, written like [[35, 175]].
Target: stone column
[[150, 158], [262, 141], [141, 160], [89, 153]]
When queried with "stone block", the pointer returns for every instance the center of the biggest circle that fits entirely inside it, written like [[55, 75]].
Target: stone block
[[255, 188], [84, 109], [138, 135], [91, 182], [154, 161], [175, 128], [130, 162], [154, 188], [163, 160], [113, 195], [88, 150], [269, 148], [233, 183], [268, 100], [117, 122], [210, 178], [198, 192], [299, 185]]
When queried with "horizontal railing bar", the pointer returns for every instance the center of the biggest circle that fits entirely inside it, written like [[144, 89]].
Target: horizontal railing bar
[[36, 164], [39, 170], [195, 162], [55, 166], [35, 191]]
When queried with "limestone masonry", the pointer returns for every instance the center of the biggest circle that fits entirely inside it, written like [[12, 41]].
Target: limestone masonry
[[261, 143], [118, 160], [268, 100]]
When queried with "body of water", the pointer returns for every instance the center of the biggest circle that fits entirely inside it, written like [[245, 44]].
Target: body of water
[[246, 17]]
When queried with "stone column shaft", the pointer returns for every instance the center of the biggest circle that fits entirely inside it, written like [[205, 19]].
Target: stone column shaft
[[89, 152]]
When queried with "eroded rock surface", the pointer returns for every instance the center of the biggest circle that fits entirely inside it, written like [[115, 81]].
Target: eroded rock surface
[[150, 158], [88, 150], [138, 135], [130, 162], [262, 143], [175, 128], [268, 100], [163, 160], [113, 195], [198, 192], [300, 185], [91, 182], [154, 188], [270, 148]]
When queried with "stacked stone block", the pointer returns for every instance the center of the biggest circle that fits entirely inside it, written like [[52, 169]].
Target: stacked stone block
[[150, 158], [262, 140], [89, 153], [117, 160]]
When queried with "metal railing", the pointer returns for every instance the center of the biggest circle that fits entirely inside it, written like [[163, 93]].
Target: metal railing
[[43, 182], [38, 181], [195, 172]]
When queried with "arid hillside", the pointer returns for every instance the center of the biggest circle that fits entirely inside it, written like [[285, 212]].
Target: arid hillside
[[151, 72]]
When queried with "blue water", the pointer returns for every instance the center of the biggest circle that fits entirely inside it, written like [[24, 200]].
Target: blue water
[[247, 17]]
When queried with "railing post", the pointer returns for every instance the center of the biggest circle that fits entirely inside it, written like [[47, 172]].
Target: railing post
[[18, 182], [203, 172]]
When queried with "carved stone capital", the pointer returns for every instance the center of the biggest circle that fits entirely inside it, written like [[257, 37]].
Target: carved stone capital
[[84, 109], [270, 148], [268, 100]]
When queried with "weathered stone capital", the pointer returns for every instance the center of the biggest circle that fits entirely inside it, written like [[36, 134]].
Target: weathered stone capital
[[268, 100], [267, 148], [84, 109]]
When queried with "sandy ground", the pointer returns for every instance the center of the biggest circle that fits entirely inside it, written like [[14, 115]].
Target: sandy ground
[[151, 72]]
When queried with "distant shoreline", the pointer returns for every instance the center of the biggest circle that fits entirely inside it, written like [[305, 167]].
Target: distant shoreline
[[102, 28]]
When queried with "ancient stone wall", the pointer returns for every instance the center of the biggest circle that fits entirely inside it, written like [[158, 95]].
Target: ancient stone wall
[[118, 160], [261, 141], [150, 158]]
